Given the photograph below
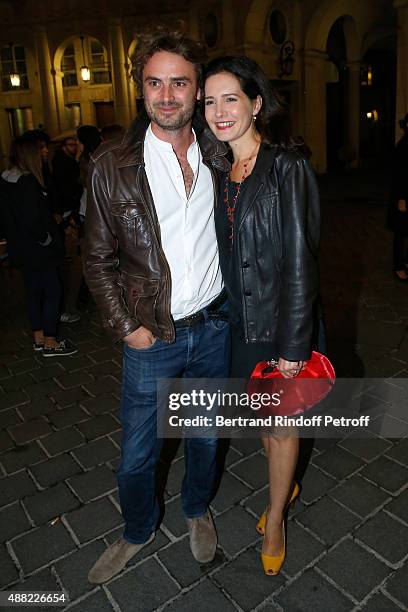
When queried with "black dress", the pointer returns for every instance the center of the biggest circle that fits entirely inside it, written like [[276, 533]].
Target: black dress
[[244, 356]]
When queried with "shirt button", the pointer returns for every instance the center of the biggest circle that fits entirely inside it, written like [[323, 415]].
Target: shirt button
[[245, 264]]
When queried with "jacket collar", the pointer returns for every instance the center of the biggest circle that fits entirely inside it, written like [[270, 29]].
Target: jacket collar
[[130, 150]]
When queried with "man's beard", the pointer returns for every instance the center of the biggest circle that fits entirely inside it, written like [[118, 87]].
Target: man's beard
[[172, 122]]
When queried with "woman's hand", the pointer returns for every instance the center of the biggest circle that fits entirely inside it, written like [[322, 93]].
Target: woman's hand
[[290, 369]]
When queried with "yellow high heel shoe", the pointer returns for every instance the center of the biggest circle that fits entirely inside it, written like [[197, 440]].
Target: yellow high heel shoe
[[260, 527], [272, 564]]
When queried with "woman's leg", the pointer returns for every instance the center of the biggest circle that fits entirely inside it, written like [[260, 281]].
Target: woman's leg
[[282, 450], [33, 286]]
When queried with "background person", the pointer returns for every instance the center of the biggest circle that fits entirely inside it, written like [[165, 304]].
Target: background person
[[267, 222], [34, 244], [398, 210]]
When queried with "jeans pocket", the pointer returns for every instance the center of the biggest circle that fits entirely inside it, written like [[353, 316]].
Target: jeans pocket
[[219, 323], [144, 349]]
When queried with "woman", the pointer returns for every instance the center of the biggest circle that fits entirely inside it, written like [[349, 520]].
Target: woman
[[268, 230], [34, 244]]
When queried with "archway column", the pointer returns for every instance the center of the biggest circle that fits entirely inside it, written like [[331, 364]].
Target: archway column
[[59, 92], [315, 106], [402, 63], [119, 75], [46, 82]]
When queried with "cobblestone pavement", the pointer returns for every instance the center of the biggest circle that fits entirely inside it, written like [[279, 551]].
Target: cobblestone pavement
[[59, 448]]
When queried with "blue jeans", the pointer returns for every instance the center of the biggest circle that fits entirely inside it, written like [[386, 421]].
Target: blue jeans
[[199, 351]]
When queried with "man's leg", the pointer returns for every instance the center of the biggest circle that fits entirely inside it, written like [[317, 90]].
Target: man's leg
[[140, 450], [209, 357]]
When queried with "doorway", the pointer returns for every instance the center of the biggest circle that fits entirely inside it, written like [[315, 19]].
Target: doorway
[[104, 113]]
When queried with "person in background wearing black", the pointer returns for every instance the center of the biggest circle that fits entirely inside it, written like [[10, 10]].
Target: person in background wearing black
[[34, 244], [398, 210], [89, 139], [110, 132]]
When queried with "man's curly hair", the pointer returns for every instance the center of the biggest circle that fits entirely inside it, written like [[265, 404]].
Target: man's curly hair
[[163, 39]]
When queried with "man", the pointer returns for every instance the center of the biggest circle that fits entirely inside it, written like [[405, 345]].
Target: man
[[65, 170], [151, 263]]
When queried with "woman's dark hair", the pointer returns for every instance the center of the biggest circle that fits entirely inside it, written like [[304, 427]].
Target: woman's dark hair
[[273, 120], [90, 137]]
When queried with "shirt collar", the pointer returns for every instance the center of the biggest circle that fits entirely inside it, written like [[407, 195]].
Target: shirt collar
[[152, 139]]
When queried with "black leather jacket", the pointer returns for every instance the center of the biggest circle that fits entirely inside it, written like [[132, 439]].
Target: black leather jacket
[[275, 249], [124, 263]]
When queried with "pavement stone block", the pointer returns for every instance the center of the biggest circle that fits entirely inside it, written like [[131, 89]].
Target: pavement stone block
[[96, 602], [66, 397], [42, 545], [9, 417], [103, 354], [8, 570], [75, 379], [15, 398], [24, 365], [59, 468], [96, 482], [399, 452], [19, 381], [21, 456], [65, 417], [399, 506], [258, 501], [386, 334], [14, 487], [73, 569], [103, 403], [94, 519], [175, 477], [388, 426], [42, 581], [98, 426], [12, 522], [359, 495], [174, 519], [116, 437], [47, 372], [77, 362], [253, 471], [236, 530], [5, 441], [42, 389], [244, 579], [386, 473], [317, 592], [26, 432], [49, 504], [302, 548], [337, 462], [367, 448], [246, 446], [182, 566], [97, 452], [103, 369], [315, 484], [328, 520], [370, 571], [201, 598], [230, 492], [36, 408], [63, 440], [134, 593], [105, 384], [396, 586], [387, 536], [380, 603]]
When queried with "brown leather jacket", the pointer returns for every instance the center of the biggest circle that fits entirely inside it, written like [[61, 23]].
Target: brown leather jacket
[[124, 262]]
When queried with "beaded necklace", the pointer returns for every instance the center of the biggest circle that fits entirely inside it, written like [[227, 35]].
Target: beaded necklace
[[230, 208]]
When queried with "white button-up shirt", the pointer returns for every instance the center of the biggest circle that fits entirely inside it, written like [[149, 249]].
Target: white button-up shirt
[[186, 225]]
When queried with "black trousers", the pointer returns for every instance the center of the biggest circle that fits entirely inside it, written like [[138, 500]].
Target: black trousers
[[43, 295]]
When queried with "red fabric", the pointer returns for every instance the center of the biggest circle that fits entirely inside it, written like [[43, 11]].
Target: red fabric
[[297, 394]]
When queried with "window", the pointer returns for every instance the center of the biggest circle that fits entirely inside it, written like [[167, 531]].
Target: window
[[68, 67], [100, 68], [278, 27], [20, 120], [13, 61]]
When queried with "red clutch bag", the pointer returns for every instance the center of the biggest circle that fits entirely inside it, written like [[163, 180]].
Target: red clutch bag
[[297, 394]]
